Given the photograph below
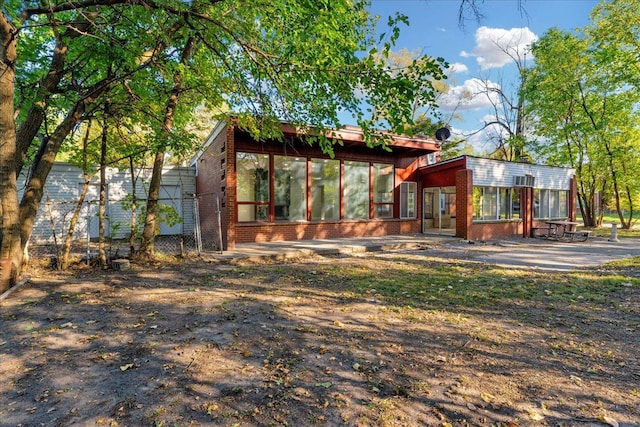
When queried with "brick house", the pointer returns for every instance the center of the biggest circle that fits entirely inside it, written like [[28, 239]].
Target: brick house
[[479, 199], [251, 191]]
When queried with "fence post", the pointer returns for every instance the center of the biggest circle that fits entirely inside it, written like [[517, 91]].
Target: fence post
[[196, 226]]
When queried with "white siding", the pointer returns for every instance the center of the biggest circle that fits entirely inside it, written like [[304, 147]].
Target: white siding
[[63, 191], [496, 173]]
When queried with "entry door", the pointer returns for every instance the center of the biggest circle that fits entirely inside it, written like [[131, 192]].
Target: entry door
[[439, 208], [430, 208]]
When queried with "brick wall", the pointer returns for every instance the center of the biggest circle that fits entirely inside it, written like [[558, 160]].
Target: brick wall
[[494, 230], [465, 227], [464, 203], [405, 169], [272, 232], [211, 183]]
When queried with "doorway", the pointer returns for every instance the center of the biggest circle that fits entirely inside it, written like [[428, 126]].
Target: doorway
[[439, 210]]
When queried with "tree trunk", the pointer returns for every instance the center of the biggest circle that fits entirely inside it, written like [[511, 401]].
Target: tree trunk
[[64, 263], [35, 186], [616, 190], [10, 249], [134, 207], [148, 235], [103, 186]]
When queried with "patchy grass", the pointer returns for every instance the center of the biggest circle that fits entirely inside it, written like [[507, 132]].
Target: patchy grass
[[433, 285], [622, 233], [405, 339]]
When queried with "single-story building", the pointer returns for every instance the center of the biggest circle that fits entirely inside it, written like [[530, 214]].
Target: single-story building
[[480, 199], [252, 191]]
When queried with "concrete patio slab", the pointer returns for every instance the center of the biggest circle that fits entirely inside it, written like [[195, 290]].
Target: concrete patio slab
[[541, 255]]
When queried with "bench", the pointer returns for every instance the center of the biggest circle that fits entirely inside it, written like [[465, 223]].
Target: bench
[[541, 232], [579, 236]]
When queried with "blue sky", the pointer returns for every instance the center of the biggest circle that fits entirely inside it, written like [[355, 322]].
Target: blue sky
[[434, 30]]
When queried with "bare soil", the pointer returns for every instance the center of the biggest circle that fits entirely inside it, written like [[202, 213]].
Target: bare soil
[[201, 343]]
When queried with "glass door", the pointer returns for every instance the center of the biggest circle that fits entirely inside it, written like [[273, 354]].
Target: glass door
[[439, 210]]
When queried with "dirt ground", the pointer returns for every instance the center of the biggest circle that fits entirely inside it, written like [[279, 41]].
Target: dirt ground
[[203, 343]]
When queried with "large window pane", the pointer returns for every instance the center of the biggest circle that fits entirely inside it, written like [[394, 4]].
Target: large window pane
[[544, 203], [383, 186], [356, 190], [536, 204], [554, 204], [408, 195], [325, 189], [251, 212], [505, 203], [564, 204], [515, 203], [290, 188], [252, 171], [490, 203], [477, 202]]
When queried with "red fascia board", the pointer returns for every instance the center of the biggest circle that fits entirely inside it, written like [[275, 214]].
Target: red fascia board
[[354, 135], [459, 163]]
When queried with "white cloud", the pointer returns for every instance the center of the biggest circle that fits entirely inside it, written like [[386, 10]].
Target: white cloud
[[496, 47], [473, 94], [458, 67]]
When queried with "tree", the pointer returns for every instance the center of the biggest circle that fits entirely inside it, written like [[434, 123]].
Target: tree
[[616, 34], [586, 111], [277, 60], [507, 124]]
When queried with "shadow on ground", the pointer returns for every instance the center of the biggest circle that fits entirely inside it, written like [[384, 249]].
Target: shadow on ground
[[405, 339]]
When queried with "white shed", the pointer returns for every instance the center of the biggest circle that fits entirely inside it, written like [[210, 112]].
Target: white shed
[[64, 186]]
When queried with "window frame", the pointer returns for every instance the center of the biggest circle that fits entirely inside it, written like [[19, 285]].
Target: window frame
[[278, 168], [323, 203], [347, 186], [501, 198], [380, 204], [259, 206], [410, 189], [556, 203]]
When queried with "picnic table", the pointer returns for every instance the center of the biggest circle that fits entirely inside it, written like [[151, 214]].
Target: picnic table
[[557, 230]]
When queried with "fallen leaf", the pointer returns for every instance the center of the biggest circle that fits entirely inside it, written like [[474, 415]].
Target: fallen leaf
[[67, 325], [125, 367], [471, 406], [608, 420], [487, 397], [535, 415], [339, 324]]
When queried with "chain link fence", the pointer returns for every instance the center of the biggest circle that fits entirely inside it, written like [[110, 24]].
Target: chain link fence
[[77, 224]]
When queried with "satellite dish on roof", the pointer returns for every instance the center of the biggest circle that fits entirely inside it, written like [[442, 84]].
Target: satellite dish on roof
[[443, 134]]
